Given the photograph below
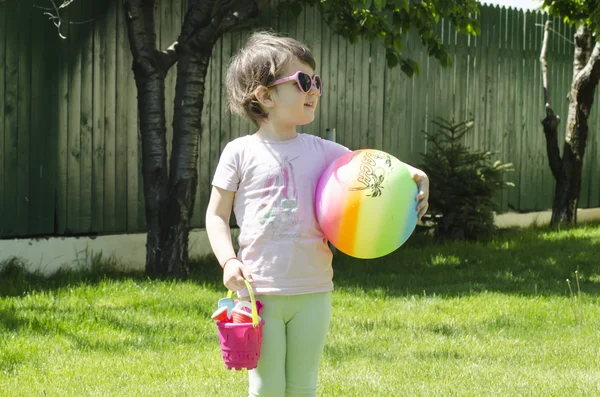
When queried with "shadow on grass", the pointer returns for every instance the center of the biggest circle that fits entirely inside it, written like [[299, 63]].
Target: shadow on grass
[[535, 261], [525, 261], [114, 330], [149, 323]]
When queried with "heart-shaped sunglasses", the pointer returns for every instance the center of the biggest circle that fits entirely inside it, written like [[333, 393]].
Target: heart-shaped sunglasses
[[303, 80]]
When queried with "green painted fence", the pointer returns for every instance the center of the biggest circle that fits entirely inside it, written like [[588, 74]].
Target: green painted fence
[[69, 133]]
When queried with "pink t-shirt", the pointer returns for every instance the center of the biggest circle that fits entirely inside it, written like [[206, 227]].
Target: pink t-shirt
[[280, 241]]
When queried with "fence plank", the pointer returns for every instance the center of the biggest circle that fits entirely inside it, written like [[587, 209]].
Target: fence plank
[[134, 164], [23, 119], [74, 126], [332, 83], [376, 93], [419, 119], [366, 122], [525, 155], [122, 128], [235, 121], [350, 92], [462, 76], [3, 50], [324, 71], [477, 88], [110, 121], [357, 93], [225, 132], [11, 120], [343, 133], [4, 46], [391, 77], [98, 124], [503, 97], [87, 115], [315, 31], [215, 111], [41, 193], [510, 153]]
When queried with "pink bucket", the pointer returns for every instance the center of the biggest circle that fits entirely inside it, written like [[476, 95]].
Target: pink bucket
[[241, 342]]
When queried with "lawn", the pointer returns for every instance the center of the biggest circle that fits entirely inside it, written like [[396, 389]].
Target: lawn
[[459, 319]]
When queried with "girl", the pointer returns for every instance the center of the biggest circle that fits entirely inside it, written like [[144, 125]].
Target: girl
[[269, 179]]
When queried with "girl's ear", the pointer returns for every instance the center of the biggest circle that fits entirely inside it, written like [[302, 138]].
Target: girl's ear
[[263, 96]]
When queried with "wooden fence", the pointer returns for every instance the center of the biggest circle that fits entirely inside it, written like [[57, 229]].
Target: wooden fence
[[69, 133]]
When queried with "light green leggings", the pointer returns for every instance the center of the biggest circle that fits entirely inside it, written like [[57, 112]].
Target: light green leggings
[[293, 340]]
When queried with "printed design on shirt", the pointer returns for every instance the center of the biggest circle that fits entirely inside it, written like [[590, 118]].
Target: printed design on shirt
[[372, 176], [278, 208]]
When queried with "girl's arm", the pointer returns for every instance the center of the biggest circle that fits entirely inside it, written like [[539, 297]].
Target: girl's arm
[[219, 236], [422, 181]]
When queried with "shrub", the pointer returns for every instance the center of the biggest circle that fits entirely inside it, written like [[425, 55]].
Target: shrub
[[463, 184]]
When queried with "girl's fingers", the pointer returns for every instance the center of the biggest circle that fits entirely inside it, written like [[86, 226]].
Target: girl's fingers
[[422, 208]]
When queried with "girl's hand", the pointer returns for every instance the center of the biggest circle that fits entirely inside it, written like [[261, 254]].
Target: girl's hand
[[422, 198], [234, 275]]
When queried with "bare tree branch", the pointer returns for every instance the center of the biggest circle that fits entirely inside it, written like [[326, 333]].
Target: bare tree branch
[[56, 18], [551, 122], [54, 15], [544, 66]]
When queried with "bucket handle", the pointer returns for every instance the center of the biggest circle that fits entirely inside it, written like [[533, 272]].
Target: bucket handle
[[252, 299]]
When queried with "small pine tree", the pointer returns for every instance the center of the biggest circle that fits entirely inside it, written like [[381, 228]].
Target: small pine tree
[[463, 184]]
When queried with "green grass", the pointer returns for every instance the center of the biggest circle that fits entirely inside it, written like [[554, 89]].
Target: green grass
[[456, 319]]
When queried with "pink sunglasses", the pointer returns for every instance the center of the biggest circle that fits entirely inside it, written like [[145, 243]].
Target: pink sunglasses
[[303, 80]]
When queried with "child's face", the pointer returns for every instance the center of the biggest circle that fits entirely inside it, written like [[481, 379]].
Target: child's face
[[292, 106]]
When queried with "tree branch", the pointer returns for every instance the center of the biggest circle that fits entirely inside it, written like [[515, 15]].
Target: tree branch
[[142, 39], [237, 15], [169, 57], [56, 18], [206, 21], [148, 17], [198, 15], [582, 50], [590, 73], [551, 121], [544, 66]]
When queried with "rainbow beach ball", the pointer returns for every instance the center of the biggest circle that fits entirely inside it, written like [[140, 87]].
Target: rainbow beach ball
[[365, 203]]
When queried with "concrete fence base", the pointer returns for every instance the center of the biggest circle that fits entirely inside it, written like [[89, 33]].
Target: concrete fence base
[[47, 255]]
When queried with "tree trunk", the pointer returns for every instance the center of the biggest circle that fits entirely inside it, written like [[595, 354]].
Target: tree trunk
[[150, 68], [204, 23], [567, 170], [151, 110], [183, 179]]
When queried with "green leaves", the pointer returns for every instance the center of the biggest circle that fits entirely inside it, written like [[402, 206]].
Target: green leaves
[[410, 67], [394, 20], [392, 59], [576, 12], [403, 5], [380, 4]]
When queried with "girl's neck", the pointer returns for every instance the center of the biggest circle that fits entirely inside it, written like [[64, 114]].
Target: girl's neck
[[269, 132]]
